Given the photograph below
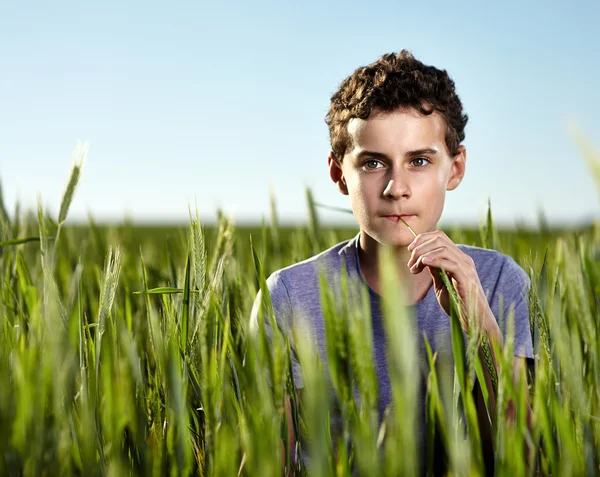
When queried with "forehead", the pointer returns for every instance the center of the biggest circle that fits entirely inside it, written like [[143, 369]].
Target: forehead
[[398, 131]]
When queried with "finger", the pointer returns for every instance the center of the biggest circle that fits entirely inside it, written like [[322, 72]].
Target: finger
[[437, 259], [418, 265], [429, 245], [435, 243], [426, 237]]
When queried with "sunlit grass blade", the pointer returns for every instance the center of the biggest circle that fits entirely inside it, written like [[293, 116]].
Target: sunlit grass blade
[[488, 233], [163, 291], [404, 371], [199, 255], [79, 156], [437, 427], [318, 408], [314, 225], [4, 217], [185, 310], [19, 241]]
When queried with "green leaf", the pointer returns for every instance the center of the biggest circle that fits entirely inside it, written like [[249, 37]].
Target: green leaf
[[162, 291], [185, 313], [19, 241]]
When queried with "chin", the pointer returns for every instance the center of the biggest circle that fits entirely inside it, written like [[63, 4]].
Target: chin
[[399, 241], [394, 238]]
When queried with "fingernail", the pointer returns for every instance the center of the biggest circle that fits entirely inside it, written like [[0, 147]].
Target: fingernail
[[411, 246]]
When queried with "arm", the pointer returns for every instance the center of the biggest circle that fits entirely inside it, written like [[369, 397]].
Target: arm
[[445, 261]]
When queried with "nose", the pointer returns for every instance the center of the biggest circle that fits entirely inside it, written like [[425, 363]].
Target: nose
[[397, 186]]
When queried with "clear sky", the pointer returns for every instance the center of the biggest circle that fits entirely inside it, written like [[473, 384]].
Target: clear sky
[[215, 101]]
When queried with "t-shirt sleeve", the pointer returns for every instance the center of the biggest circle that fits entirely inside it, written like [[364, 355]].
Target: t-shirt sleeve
[[282, 308], [513, 286]]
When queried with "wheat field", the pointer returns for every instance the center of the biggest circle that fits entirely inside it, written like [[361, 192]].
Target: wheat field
[[124, 350]]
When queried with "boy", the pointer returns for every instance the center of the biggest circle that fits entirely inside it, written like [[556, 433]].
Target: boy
[[396, 128]]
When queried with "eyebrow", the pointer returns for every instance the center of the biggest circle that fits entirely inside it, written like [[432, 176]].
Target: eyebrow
[[416, 152]]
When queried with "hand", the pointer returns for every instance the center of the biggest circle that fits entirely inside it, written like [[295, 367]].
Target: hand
[[434, 250]]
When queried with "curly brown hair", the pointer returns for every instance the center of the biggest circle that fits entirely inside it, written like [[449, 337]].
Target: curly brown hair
[[393, 82]]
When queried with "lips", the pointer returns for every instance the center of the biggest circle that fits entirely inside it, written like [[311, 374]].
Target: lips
[[395, 218]]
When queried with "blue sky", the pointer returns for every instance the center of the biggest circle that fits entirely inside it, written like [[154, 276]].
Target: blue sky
[[215, 102]]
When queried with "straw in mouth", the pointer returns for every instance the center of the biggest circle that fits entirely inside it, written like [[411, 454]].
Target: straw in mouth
[[409, 228]]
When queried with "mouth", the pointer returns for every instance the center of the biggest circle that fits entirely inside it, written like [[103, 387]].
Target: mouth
[[396, 218]]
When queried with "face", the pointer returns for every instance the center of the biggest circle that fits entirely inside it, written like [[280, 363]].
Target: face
[[398, 164]]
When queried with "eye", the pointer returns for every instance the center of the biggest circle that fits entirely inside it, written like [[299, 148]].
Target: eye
[[371, 164], [422, 159]]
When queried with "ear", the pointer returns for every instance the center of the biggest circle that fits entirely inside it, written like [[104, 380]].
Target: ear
[[459, 164], [336, 174]]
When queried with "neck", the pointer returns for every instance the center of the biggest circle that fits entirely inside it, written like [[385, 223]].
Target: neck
[[368, 253]]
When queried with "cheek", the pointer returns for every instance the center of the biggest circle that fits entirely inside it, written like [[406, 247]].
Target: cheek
[[437, 192], [364, 193], [363, 198], [432, 191], [435, 185]]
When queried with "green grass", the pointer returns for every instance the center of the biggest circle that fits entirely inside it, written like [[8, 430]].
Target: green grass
[[125, 350]]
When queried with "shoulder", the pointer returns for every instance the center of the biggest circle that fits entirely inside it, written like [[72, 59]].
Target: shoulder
[[506, 285], [295, 289], [493, 263], [305, 274], [499, 273]]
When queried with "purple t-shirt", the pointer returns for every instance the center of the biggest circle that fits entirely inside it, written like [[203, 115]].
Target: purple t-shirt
[[295, 294]]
